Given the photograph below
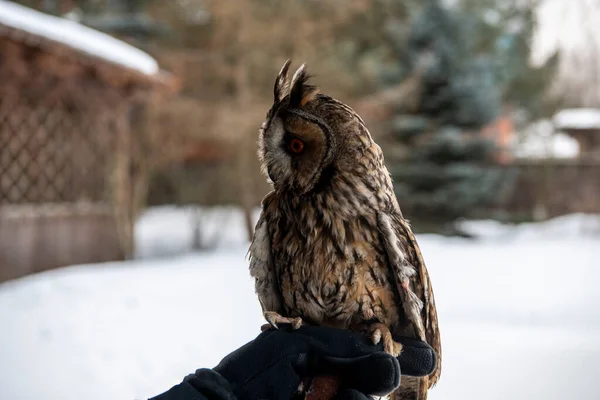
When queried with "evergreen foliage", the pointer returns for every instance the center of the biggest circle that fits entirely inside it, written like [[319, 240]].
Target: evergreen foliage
[[447, 170], [504, 30]]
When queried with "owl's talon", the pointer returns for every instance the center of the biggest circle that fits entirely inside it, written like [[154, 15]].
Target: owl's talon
[[265, 327], [297, 323], [376, 336], [381, 332], [394, 348], [274, 318]]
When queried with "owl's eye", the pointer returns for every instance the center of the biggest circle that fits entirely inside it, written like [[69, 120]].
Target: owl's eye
[[296, 146]]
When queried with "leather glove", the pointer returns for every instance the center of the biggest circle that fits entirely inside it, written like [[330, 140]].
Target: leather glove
[[274, 364]]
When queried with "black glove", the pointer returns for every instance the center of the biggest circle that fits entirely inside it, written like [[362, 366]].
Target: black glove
[[274, 364]]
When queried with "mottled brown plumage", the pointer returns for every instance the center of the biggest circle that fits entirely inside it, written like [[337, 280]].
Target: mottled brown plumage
[[331, 246]]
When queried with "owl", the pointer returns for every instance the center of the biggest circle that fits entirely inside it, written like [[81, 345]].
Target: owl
[[331, 246]]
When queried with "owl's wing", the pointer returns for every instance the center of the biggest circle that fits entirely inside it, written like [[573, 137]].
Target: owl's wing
[[412, 280], [261, 263]]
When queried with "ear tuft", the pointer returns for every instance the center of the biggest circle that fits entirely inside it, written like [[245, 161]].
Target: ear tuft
[[301, 91], [282, 84]]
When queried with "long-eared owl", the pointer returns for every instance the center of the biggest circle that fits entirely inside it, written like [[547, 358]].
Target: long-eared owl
[[331, 246]]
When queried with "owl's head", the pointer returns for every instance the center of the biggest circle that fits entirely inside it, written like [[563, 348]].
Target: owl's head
[[305, 134]]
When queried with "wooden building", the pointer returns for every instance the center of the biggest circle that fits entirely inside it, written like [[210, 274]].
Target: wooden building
[[583, 125], [70, 105]]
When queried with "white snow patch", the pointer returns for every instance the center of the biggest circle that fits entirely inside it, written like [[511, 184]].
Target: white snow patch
[[169, 230], [540, 141], [77, 36], [578, 118], [567, 226], [520, 317]]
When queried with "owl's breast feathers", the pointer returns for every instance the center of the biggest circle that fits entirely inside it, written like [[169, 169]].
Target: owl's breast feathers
[[329, 261], [332, 270], [344, 255]]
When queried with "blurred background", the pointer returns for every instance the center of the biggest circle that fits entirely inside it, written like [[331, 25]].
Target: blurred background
[[130, 186]]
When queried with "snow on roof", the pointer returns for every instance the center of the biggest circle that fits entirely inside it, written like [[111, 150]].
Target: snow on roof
[[540, 141], [578, 118], [76, 36]]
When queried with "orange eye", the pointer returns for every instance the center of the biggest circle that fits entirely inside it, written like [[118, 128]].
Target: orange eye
[[296, 146]]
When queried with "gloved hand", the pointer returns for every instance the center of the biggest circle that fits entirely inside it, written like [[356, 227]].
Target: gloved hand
[[273, 365]]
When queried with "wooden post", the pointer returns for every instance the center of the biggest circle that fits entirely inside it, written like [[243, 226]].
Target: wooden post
[[121, 193], [243, 96]]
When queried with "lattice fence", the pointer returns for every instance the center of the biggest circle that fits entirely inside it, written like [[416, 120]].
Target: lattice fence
[[65, 160], [57, 149]]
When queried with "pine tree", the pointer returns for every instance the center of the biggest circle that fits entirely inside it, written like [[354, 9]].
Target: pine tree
[[446, 169], [504, 30]]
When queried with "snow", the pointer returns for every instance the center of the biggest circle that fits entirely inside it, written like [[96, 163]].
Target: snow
[[77, 36], [578, 118], [568, 226], [540, 141], [519, 311], [168, 230]]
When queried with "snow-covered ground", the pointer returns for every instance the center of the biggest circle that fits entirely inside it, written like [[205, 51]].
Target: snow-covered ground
[[519, 312]]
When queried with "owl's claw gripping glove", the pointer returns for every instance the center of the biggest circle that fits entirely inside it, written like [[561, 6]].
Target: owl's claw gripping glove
[[274, 364]]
